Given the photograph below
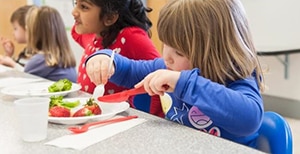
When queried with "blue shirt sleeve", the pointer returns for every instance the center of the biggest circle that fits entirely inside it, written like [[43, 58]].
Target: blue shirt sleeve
[[237, 107]]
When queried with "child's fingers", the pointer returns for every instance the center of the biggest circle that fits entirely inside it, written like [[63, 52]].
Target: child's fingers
[[104, 71], [140, 84], [145, 84], [93, 71], [97, 69], [150, 84], [156, 86]]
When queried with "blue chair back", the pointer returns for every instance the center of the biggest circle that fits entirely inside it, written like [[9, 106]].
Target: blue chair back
[[275, 135]]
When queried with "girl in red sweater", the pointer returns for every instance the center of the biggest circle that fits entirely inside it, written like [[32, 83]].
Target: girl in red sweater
[[111, 24]]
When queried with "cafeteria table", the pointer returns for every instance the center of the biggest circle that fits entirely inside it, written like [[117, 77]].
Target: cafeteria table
[[156, 135]]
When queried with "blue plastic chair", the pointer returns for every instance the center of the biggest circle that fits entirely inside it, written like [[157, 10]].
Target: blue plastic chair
[[275, 135]]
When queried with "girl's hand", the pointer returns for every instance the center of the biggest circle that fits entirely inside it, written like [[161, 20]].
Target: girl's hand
[[159, 82], [7, 61], [97, 69], [8, 46]]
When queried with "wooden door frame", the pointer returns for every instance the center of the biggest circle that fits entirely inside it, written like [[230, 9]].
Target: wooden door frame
[[6, 30], [156, 5]]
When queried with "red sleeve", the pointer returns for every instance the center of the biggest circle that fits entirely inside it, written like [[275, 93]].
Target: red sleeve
[[137, 44]]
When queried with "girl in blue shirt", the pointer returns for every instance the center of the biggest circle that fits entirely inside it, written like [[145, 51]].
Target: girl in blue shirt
[[49, 50], [209, 77]]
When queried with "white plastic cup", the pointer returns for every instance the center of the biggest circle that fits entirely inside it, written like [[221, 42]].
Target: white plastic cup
[[32, 114]]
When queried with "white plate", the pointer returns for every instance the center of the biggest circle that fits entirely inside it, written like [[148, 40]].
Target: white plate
[[108, 111], [36, 89], [13, 81]]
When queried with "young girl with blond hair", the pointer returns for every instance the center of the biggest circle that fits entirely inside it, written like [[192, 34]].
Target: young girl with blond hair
[[209, 77], [49, 50]]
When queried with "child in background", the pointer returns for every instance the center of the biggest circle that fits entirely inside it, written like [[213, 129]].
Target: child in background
[[47, 42], [209, 78], [17, 20], [101, 24]]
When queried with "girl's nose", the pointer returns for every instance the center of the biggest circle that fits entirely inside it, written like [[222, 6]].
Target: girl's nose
[[74, 12]]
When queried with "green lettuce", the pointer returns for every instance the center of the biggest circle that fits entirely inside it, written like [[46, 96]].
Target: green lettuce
[[60, 85]]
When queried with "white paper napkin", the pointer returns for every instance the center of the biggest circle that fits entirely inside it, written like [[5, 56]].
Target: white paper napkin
[[95, 135], [11, 81]]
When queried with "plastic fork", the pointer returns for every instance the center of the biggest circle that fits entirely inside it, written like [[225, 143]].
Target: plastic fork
[[84, 128], [99, 90]]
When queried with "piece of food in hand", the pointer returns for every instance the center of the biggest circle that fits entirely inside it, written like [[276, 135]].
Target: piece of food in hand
[[60, 85], [59, 111], [89, 109]]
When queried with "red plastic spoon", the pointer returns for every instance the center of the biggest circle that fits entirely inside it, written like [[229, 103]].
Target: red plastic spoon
[[84, 128]]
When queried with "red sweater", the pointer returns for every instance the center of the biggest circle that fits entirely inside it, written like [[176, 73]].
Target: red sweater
[[134, 43]]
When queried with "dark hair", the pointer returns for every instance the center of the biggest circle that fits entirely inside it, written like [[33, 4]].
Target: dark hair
[[131, 13], [19, 15]]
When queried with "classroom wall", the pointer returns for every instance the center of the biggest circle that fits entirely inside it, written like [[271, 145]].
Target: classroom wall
[[276, 25], [156, 5]]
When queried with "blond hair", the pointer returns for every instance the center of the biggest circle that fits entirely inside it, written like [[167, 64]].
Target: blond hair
[[214, 35], [46, 34]]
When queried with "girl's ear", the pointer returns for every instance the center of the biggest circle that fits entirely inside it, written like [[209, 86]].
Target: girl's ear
[[111, 19]]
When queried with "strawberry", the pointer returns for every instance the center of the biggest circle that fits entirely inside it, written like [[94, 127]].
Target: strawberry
[[83, 112], [90, 108], [93, 106], [59, 111]]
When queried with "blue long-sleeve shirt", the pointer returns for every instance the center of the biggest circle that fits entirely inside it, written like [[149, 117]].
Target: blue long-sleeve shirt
[[233, 111]]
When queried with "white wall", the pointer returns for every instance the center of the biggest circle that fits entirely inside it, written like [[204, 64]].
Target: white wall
[[275, 24]]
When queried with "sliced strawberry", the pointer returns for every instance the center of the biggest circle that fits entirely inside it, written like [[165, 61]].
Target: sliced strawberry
[[59, 111], [90, 108], [83, 112], [95, 109], [93, 106]]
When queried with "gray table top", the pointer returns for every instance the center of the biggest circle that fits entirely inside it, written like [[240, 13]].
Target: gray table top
[[156, 135]]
